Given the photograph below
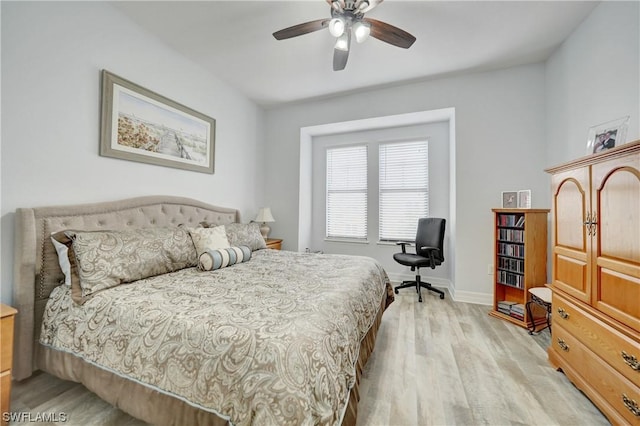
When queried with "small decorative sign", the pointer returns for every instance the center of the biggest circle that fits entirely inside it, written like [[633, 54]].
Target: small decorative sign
[[509, 199], [524, 199]]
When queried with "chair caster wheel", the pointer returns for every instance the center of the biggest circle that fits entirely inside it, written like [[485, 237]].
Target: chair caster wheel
[[442, 296], [395, 290], [420, 299]]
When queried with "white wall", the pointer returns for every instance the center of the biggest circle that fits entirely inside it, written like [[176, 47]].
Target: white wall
[[592, 78], [499, 146], [52, 54]]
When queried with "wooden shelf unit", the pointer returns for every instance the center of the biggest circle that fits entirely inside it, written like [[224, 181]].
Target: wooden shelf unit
[[520, 260]]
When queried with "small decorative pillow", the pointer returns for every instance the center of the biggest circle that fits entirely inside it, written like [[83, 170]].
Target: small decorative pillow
[[220, 258], [245, 234], [63, 258], [209, 238], [105, 259]]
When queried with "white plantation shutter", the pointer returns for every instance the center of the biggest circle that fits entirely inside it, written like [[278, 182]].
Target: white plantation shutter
[[404, 189], [347, 192]]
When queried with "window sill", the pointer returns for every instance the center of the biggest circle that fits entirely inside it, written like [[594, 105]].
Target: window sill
[[345, 240], [393, 243]]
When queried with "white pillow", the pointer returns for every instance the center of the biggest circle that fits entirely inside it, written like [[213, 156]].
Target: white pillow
[[209, 238], [63, 259]]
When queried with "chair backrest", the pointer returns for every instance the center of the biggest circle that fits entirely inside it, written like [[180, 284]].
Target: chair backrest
[[431, 234]]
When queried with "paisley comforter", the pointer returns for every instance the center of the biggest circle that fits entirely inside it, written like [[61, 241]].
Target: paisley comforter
[[272, 341]]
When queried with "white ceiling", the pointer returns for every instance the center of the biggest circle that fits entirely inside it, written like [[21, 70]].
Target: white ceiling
[[233, 40]]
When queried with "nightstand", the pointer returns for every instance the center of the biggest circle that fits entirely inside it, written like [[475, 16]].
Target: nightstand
[[274, 243], [7, 313]]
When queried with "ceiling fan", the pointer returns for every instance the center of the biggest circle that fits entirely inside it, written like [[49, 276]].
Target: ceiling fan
[[347, 18]]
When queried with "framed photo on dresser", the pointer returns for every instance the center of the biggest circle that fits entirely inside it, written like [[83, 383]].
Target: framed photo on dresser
[[524, 199], [607, 135], [509, 199]]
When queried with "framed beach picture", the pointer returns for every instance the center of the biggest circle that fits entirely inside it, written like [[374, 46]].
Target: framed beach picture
[[140, 125]]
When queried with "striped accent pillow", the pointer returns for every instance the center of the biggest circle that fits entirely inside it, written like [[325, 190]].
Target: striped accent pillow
[[213, 259]]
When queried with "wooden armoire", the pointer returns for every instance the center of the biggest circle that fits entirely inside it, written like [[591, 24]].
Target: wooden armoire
[[595, 231]]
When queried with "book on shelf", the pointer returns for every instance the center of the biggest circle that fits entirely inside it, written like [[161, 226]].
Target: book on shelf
[[516, 315], [504, 306], [518, 307], [517, 311], [510, 279], [511, 249], [511, 220], [511, 235]]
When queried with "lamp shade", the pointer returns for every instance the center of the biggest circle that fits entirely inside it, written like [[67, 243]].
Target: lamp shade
[[342, 43], [361, 30], [336, 27], [264, 215]]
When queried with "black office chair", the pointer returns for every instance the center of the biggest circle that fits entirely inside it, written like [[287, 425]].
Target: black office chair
[[429, 252]]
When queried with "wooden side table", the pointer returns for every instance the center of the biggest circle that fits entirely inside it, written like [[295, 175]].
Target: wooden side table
[[7, 314], [274, 243]]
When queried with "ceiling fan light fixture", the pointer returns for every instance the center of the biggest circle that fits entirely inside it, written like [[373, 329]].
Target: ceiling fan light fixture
[[362, 4], [336, 27], [361, 30], [342, 43]]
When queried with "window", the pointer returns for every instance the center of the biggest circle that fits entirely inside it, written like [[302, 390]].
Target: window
[[347, 192], [404, 189]]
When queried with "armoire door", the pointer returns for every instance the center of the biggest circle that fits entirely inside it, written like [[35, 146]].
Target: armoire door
[[571, 241], [616, 255]]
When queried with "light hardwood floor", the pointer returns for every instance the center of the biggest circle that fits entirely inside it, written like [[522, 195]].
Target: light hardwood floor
[[435, 363]]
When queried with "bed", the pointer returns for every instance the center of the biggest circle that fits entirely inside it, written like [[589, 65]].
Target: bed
[[279, 338]]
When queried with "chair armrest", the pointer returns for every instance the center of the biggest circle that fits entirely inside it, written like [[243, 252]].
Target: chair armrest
[[404, 245], [432, 252]]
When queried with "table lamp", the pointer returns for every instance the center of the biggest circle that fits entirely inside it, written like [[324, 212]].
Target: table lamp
[[264, 216]]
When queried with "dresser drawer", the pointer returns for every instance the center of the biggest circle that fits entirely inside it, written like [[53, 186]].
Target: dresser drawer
[[6, 343], [605, 384], [616, 349], [5, 395]]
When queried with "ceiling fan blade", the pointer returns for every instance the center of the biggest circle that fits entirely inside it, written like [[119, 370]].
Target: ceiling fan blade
[[340, 56], [300, 29], [390, 34], [340, 59]]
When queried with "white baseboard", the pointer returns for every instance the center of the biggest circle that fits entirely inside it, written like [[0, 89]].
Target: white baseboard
[[443, 283], [473, 297]]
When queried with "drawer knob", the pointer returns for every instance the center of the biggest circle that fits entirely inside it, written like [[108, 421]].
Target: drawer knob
[[563, 345], [563, 314], [631, 405], [631, 361]]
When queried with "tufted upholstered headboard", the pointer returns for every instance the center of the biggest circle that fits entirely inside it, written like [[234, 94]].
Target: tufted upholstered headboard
[[36, 268]]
